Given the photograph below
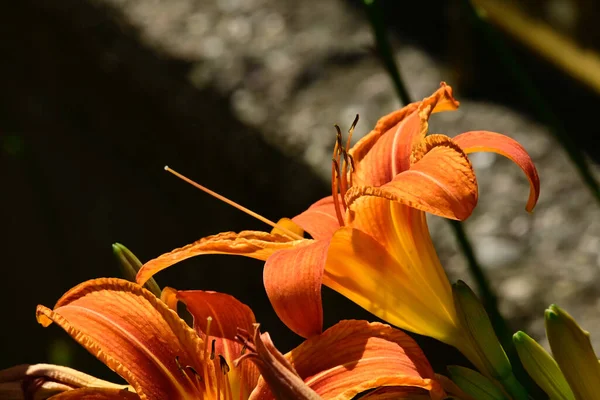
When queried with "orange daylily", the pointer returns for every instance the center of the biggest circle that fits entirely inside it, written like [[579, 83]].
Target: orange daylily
[[143, 339], [370, 240]]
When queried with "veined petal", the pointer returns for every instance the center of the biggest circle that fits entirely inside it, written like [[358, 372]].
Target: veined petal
[[96, 394], [475, 141], [293, 280], [354, 356], [385, 151], [440, 181], [320, 219], [402, 288], [255, 244], [227, 315], [133, 333]]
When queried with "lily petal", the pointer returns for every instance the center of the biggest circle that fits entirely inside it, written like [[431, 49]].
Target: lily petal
[[440, 181], [133, 333], [385, 151], [227, 315], [97, 394], [475, 141], [293, 280], [255, 244], [406, 287], [354, 356], [320, 219]]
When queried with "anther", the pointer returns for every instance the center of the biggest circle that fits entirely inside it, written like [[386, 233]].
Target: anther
[[196, 374], [224, 366], [212, 349], [180, 367]]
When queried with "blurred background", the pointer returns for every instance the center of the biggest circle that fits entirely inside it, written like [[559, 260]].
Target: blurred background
[[241, 95]]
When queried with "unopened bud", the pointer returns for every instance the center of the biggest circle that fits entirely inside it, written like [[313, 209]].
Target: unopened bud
[[573, 353], [130, 265], [476, 385]]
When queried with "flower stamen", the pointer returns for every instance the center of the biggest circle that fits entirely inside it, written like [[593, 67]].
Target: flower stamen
[[234, 204]]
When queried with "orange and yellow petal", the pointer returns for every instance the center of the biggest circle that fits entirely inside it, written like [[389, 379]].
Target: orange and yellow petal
[[440, 181], [293, 280], [133, 333], [227, 315], [385, 151], [475, 141], [254, 244], [406, 287], [354, 356], [320, 220]]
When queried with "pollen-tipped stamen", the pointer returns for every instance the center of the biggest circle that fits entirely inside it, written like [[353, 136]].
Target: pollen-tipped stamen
[[234, 204], [184, 371], [348, 162], [334, 191]]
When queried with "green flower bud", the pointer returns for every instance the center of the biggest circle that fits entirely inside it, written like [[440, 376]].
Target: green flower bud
[[475, 384], [574, 354], [479, 329], [130, 265], [542, 368]]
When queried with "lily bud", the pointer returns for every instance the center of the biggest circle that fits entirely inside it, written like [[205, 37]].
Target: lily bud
[[130, 265], [542, 368], [479, 328], [475, 384], [574, 354]]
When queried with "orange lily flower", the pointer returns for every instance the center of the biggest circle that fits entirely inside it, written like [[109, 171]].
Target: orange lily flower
[[370, 240], [143, 339]]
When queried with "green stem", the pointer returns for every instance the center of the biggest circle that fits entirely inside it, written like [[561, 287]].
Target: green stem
[[530, 91], [384, 49]]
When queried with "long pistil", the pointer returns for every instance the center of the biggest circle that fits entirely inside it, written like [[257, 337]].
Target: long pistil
[[234, 204]]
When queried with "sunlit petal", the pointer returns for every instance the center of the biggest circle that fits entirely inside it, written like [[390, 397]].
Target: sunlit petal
[[126, 327], [385, 151], [227, 315], [320, 219], [293, 280], [255, 244], [354, 356], [440, 181], [475, 141], [400, 287]]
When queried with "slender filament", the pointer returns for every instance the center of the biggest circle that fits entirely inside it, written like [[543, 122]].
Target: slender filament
[[234, 204]]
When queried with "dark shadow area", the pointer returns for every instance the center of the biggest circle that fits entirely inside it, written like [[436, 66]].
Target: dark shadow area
[[88, 118]]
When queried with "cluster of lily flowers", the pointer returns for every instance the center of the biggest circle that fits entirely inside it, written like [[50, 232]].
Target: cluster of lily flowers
[[370, 242]]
